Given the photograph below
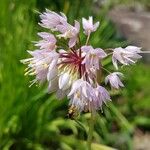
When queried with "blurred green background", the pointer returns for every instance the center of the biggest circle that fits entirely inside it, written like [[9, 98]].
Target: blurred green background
[[31, 119]]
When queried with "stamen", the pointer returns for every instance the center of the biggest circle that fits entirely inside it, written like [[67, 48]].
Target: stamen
[[32, 82]]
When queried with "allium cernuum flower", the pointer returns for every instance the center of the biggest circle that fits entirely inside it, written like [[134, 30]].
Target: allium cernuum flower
[[48, 42], [39, 64], [114, 80], [102, 96], [69, 31], [50, 19], [125, 56], [81, 94], [88, 25], [92, 56], [71, 66]]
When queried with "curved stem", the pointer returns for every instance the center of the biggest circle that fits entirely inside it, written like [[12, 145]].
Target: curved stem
[[90, 133], [109, 54], [105, 70], [79, 41], [87, 40]]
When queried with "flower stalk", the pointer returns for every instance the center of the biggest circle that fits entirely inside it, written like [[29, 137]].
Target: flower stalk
[[91, 129], [87, 40]]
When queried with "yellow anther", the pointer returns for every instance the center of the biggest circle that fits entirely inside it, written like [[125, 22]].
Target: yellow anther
[[45, 65]]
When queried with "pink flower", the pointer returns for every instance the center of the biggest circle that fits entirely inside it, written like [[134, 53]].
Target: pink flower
[[126, 56], [80, 94], [69, 31], [102, 95], [48, 42], [92, 56], [75, 71], [114, 80], [50, 19], [85, 97], [88, 25], [38, 65]]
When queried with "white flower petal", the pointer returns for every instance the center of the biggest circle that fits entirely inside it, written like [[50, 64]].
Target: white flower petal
[[63, 80]]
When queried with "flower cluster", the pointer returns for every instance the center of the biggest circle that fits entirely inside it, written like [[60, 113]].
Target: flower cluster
[[73, 71]]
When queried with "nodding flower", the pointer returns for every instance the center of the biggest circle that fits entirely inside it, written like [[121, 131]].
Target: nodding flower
[[92, 56], [50, 19], [88, 25], [69, 31], [125, 56], [48, 41], [114, 80]]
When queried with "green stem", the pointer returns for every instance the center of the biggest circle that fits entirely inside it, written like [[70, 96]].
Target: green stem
[[87, 40], [90, 133], [106, 70]]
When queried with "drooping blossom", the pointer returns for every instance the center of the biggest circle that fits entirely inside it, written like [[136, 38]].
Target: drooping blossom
[[125, 56], [114, 80], [69, 31], [102, 96], [48, 42], [88, 25], [39, 64], [81, 94], [92, 56], [50, 19], [72, 68]]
